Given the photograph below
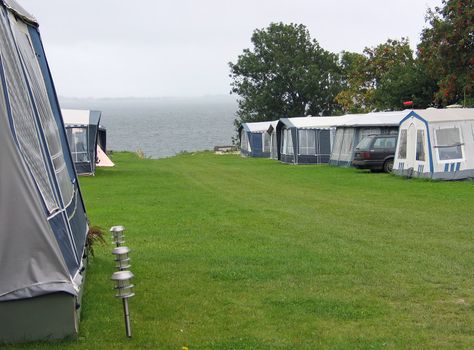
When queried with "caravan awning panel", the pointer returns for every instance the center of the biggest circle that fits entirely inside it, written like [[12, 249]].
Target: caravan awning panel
[[258, 127], [310, 122], [19, 11], [81, 117]]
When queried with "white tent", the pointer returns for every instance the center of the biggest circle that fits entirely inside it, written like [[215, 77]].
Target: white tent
[[353, 128], [437, 144], [102, 159]]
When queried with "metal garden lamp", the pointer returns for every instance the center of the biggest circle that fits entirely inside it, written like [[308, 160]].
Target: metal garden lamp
[[118, 236], [124, 289], [122, 260]]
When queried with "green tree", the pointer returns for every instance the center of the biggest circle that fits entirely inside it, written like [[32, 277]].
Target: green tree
[[382, 77], [357, 93], [286, 74], [405, 81], [447, 49]]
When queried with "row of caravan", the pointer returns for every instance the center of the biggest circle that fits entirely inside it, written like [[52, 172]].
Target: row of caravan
[[432, 143]]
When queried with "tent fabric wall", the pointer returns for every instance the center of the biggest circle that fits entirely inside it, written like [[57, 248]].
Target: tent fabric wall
[[436, 144], [347, 139], [35, 132], [102, 138], [254, 140], [75, 211], [82, 129], [25, 234], [15, 8], [44, 224], [244, 137], [351, 129], [305, 140], [272, 134]]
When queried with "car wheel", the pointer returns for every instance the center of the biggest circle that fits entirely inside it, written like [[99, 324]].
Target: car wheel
[[388, 166]]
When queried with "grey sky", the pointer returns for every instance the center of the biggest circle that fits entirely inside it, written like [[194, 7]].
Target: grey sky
[[148, 48]]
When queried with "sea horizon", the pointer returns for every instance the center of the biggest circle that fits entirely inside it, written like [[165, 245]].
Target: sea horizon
[[163, 126]]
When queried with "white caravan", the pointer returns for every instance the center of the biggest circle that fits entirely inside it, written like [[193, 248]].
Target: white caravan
[[436, 144]]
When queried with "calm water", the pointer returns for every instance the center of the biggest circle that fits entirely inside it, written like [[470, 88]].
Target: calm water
[[163, 127]]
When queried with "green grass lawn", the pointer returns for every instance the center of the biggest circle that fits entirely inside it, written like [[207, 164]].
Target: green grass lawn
[[233, 253]]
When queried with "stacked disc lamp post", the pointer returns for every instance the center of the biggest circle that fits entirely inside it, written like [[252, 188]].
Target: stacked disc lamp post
[[122, 277]]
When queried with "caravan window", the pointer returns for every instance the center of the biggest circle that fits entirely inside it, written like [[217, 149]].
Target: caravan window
[[449, 144], [307, 142], [244, 143], [266, 142], [79, 144], [289, 143], [23, 118], [274, 150], [402, 150], [46, 117], [338, 142], [348, 141], [420, 145]]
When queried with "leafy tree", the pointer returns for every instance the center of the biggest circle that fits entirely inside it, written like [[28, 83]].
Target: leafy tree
[[357, 93], [447, 49], [405, 81], [382, 78], [286, 74]]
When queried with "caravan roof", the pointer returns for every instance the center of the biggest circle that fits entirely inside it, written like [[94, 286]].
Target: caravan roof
[[80, 117], [19, 11], [433, 115], [256, 127], [372, 119], [272, 126], [309, 122]]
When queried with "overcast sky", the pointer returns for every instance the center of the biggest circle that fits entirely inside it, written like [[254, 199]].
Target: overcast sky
[[152, 48]]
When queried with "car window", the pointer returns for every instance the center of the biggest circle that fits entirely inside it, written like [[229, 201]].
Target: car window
[[384, 142], [365, 143], [380, 142], [391, 142]]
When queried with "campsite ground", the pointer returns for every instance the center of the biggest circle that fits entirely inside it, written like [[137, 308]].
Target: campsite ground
[[233, 253]]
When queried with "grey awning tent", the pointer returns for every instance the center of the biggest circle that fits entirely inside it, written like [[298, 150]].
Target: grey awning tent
[[271, 131], [82, 129], [102, 138], [305, 140], [254, 139], [43, 221], [353, 128]]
